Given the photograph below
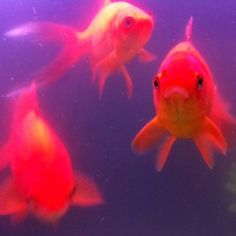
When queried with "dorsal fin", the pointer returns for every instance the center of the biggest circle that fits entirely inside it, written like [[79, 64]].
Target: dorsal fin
[[26, 101], [106, 2], [188, 30]]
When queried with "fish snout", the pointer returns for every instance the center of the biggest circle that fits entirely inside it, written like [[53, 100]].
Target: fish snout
[[176, 93], [146, 25]]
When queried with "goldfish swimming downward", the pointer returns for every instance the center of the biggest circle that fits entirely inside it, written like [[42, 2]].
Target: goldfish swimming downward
[[116, 34], [42, 180], [187, 104]]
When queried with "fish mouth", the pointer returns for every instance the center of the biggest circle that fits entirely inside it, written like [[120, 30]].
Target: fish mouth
[[176, 93], [146, 26]]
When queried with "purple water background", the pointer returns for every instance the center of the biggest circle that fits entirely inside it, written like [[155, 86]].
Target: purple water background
[[186, 198]]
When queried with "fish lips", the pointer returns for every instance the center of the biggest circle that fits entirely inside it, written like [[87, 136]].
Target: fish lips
[[176, 93]]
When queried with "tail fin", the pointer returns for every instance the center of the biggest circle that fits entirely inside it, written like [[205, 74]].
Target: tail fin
[[86, 192], [188, 30], [73, 47], [11, 203]]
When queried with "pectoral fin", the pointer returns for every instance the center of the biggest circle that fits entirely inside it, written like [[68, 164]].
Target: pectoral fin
[[128, 81], [148, 137], [207, 139], [224, 120], [145, 56], [86, 192], [103, 68]]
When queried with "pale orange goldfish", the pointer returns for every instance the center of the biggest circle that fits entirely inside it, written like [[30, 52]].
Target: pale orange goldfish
[[116, 34], [43, 181], [187, 104]]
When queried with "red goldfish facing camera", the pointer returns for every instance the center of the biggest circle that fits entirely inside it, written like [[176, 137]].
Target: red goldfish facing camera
[[117, 33], [42, 181], [187, 104]]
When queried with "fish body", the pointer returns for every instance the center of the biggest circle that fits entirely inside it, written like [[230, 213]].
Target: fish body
[[116, 34], [42, 180], [188, 106]]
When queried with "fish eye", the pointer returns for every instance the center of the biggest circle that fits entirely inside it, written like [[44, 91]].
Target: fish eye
[[128, 21], [200, 81], [156, 82]]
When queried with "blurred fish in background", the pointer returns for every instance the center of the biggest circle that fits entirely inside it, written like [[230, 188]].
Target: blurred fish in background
[[231, 187], [42, 181]]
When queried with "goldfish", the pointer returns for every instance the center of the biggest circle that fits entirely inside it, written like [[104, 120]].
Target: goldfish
[[188, 106], [116, 34], [42, 181]]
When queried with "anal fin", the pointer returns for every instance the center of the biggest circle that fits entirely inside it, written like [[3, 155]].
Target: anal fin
[[148, 136], [206, 152], [164, 152]]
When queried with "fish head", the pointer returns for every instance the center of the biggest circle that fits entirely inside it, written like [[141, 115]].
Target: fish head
[[183, 83], [133, 27]]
